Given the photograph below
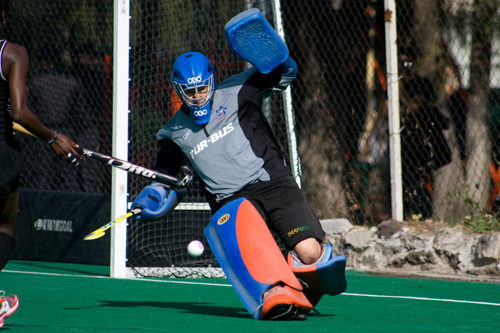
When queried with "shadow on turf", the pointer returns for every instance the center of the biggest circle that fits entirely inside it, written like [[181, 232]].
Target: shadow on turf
[[195, 308], [198, 308]]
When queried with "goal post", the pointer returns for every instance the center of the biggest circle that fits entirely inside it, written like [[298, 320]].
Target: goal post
[[287, 105], [119, 194]]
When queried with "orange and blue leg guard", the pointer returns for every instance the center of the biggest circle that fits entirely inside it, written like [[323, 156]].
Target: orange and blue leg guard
[[326, 276], [253, 262]]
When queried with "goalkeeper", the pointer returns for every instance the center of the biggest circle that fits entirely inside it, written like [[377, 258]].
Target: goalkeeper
[[223, 134]]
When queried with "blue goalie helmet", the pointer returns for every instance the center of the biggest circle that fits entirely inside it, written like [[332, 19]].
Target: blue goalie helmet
[[193, 77]]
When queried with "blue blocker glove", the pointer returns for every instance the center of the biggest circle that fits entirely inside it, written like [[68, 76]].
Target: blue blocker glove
[[156, 202]]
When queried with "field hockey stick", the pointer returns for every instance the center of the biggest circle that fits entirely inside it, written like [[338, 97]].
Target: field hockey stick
[[102, 230], [138, 170], [20, 128]]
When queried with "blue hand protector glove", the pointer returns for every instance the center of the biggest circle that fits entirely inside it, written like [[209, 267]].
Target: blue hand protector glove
[[156, 202]]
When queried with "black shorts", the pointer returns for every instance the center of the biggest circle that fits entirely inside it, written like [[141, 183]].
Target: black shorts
[[284, 208], [12, 165]]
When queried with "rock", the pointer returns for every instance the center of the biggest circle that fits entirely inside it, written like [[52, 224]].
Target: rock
[[487, 250], [337, 242], [336, 226], [399, 248], [358, 238], [388, 228], [455, 247], [420, 257]]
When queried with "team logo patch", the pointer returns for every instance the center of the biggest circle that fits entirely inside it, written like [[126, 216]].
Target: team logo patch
[[223, 219], [222, 111]]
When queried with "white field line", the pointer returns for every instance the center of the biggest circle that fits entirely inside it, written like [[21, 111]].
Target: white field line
[[423, 299], [228, 285]]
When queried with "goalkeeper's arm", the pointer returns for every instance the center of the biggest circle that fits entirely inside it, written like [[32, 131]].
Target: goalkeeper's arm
[[288, 72]]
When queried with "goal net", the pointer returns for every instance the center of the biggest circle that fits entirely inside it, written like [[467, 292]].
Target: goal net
[[160, 31]]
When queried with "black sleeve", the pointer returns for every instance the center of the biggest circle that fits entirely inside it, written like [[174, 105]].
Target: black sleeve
[[170, 158], [263, 82]]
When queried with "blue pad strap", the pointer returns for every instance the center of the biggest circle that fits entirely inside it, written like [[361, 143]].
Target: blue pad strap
[[248, 253], [255, 40]]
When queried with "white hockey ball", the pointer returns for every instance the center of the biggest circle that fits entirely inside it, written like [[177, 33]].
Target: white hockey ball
[[195, 248]]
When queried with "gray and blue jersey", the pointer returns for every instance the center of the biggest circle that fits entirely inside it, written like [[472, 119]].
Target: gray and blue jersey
[[237, 146]]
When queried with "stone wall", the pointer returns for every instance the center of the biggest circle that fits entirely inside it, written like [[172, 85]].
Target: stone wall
[[415, 248]]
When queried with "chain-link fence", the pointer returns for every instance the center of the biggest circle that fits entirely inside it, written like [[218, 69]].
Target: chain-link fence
[[449, 56]]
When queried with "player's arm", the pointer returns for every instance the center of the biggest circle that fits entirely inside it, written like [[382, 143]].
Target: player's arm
[[158, 200], [15, 64], [288, 72], [276, 81], [170, 157]]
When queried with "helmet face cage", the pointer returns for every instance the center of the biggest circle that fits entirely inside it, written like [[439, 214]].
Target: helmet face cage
[[193, 78], [196, 95]]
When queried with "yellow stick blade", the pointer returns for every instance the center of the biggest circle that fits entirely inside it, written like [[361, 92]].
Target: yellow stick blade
[[101, 231], [94, 235]]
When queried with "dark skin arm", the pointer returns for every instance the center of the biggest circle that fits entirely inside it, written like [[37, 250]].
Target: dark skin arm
[[15, 65]]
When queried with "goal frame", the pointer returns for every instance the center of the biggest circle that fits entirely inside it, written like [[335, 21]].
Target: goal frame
[[119, 188]]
